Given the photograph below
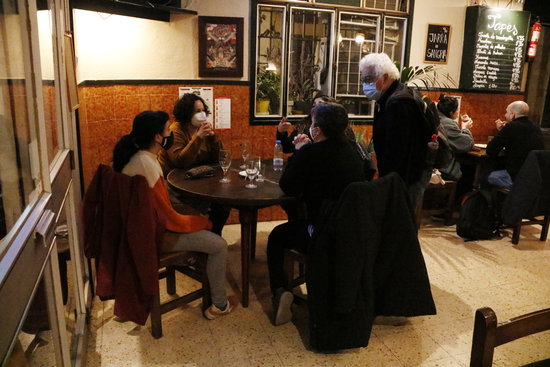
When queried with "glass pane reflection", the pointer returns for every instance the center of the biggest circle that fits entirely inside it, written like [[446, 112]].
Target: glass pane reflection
[[19, 170]]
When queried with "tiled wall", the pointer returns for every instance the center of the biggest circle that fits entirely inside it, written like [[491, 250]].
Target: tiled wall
[[106, 114]]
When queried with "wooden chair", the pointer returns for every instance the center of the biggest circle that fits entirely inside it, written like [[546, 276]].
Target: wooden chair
[[192, 264], [528, 202], [516, 228], [488, 334], [437, 199], [291, 258]]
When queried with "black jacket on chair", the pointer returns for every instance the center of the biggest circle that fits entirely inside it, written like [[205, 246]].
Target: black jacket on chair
[[530, 194], [365, 261]]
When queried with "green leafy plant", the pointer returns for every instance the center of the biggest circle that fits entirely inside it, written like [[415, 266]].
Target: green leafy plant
[[429, 76], [268, 86]]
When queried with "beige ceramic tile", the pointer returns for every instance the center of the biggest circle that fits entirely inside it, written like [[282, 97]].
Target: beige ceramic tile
[[512, 280]]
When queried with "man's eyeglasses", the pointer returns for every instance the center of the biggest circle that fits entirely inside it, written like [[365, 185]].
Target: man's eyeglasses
[[369, 79]]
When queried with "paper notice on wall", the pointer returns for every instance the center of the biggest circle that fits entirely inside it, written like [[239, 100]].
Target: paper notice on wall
[[222, 113], [206, 93]]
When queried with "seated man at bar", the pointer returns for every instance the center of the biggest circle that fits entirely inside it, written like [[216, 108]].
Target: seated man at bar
[[516, 137], [320, 169]]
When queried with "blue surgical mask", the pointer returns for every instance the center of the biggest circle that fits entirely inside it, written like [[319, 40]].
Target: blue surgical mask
[[369, 89]]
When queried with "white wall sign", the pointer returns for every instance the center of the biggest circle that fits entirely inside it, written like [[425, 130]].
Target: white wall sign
[[222, 113]]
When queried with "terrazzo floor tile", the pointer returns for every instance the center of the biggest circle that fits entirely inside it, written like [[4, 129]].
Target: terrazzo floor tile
[[464, 275]]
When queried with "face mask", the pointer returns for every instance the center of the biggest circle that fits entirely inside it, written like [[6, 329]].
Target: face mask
[[198, 119], [369, 89], [167, 141]]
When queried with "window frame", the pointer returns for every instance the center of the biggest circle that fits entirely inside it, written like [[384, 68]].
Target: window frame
[[382, 14]]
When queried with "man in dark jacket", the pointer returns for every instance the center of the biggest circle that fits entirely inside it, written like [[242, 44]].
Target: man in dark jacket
[[318, 172], [517, 137], [400, 132]]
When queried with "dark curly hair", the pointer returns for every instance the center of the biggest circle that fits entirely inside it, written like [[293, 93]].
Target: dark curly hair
[[184, 107]]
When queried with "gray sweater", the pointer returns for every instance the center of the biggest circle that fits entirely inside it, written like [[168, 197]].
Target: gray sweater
[[460, 141]]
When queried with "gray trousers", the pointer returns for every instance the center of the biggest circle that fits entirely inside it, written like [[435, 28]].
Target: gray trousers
[[213, 245]]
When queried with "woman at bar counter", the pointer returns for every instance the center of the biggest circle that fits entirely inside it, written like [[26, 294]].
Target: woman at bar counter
[[459, 138], [136, 154], [195, 144], [320, 169]]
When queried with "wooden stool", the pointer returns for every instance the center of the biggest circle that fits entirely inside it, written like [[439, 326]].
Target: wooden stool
[[437, 199]]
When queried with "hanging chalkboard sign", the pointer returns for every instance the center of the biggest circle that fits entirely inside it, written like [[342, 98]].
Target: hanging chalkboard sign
[[437, 43], [494, 48]]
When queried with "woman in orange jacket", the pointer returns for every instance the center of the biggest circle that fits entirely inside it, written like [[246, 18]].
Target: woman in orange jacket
[[136, 154]]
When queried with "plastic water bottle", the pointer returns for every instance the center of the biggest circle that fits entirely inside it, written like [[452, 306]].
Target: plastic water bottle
[[278, 156]]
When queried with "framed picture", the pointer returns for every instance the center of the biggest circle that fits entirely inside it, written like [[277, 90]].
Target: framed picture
[[437, 43], [220, 47]]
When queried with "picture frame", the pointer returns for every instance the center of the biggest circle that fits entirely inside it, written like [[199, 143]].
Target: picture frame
[[220, 47], [438, 39]]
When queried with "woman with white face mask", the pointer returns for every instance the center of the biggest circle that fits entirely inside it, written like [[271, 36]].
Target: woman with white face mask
[[195, 144]]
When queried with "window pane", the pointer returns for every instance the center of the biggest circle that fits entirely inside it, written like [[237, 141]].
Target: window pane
[[269, 58], [358, 36], [310, 57], [394, 38], [398, 5], [19, 169], [46, 40]]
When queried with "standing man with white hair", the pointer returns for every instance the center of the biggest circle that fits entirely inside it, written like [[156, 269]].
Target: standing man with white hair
[[517, 137], [400, 131]]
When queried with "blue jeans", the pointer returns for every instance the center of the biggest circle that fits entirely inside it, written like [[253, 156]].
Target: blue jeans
[[500, 178]]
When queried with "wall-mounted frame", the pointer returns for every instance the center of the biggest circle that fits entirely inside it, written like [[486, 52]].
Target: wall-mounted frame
[[220, 47], [437, 44]]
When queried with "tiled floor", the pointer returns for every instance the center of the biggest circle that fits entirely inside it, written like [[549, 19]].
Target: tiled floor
[[464, 276]]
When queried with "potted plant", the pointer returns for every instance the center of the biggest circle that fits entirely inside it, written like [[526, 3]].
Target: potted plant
[[268, 90], [429, 76]]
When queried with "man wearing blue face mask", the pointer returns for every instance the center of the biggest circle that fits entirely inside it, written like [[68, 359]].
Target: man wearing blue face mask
[[400, 133]]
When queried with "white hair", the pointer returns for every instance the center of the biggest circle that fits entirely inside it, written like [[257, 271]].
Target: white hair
[[381, 63]]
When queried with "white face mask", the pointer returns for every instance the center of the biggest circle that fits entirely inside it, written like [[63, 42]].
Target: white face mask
[[311, 133], [198, 119]]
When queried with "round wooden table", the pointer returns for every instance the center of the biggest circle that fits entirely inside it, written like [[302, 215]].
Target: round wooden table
[[234, 194]]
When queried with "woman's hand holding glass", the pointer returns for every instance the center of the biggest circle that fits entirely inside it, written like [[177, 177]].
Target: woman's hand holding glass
[[205, 130], [466, 122], [225, 163], [253, 166]]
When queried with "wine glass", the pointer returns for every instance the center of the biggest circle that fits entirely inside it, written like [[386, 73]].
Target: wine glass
[[245, 152], [225, 163], [252, 169]]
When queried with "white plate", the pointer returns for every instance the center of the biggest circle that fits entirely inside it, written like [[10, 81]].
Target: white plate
[[242, 173], [482, 146]]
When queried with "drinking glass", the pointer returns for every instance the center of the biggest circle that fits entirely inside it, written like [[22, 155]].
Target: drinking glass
[[225, 163], [245, 152], [252, 168]]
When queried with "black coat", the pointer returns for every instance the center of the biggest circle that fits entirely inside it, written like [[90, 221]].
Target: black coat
[[321, 171], [518, 138], [365, 261], [530, 195], [400, 134]]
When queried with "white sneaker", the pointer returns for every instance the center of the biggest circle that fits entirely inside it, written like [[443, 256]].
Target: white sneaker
[[213, 312], [283, 302]]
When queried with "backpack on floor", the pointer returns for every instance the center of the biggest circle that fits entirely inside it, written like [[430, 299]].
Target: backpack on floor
[[479, 216]]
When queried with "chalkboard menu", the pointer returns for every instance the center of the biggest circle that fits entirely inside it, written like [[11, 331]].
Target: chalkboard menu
[[437, 43], [494, 48]]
